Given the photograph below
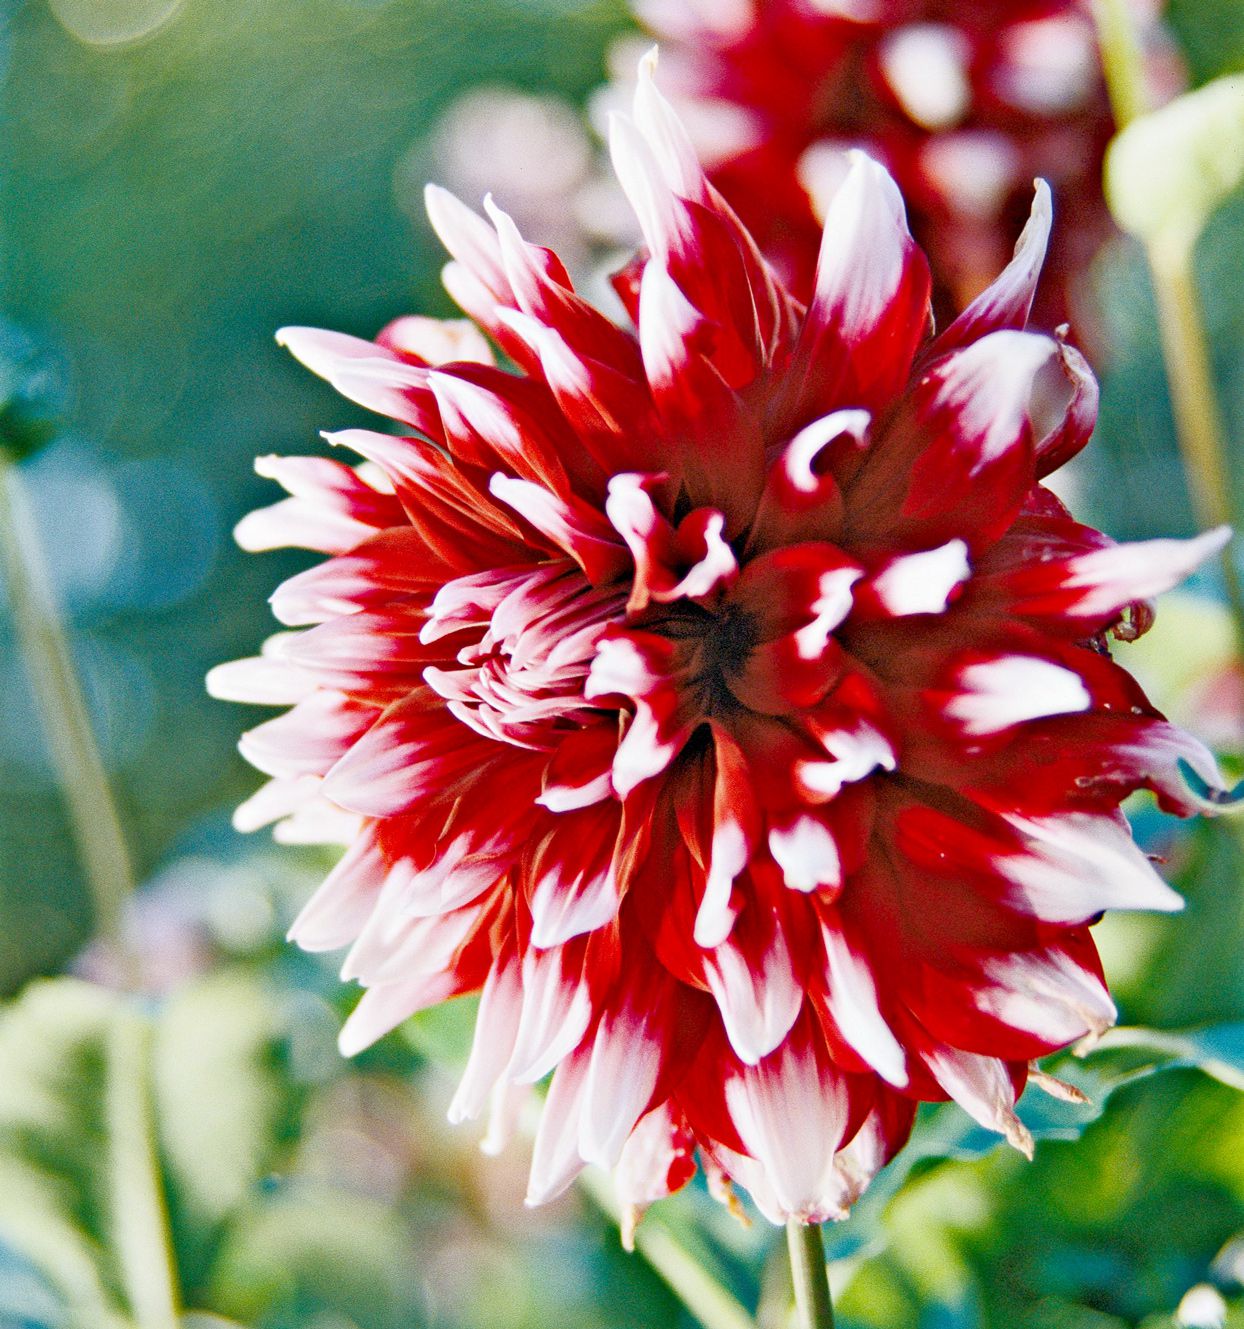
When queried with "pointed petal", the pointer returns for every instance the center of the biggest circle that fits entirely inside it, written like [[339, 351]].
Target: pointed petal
[[870, 306], [982, 1087], [851, 998], [1006, 301], [496, 1026], [555, 1161]]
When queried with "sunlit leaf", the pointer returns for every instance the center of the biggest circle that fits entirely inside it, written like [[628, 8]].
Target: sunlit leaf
[[106, 1108], [54, 1203], [218, 1092]]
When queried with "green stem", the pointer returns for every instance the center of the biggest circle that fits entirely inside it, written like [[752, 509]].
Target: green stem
[[1185, 347], [698, 1291], [1194, 399], [138, 1216], [71, 742], [1121, 60], [810, 1276]]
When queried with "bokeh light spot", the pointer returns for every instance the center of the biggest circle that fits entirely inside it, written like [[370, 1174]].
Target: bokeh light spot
[[112, 22]]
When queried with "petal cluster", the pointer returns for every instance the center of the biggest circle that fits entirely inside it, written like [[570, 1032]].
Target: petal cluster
[[964, 103], [724, 699]]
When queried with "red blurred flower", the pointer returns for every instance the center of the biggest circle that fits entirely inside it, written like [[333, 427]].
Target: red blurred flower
[[728, 701], [964, 104]]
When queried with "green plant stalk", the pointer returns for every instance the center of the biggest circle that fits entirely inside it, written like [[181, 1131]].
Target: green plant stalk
[[1121, 60], [813, 1306], [138, 1219], [694, 1286], [71, 741], [1194, 399], [1185, 348]]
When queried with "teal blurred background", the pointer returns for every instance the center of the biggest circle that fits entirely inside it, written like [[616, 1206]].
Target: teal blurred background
[[178, 178]]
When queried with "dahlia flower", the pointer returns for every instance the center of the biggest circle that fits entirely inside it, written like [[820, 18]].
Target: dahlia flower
[[963, 103], [724, 700]]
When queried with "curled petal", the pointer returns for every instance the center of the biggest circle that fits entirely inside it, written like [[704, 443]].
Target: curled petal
[[983, 1088]]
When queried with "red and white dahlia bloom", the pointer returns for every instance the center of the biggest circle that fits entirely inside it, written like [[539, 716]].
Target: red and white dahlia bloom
[[726, 700], [963, 103]]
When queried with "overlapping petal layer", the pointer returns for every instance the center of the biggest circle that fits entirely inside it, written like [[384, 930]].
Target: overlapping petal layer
[[726, 701]]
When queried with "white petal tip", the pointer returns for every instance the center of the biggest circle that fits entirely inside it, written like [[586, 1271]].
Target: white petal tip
[[1019, 1137], [350, 1042]]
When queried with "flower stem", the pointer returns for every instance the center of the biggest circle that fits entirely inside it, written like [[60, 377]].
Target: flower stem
[[1194, 399], [139, 1231], [1185, 347], [810, 1276], [46, 654], [1121, 60]]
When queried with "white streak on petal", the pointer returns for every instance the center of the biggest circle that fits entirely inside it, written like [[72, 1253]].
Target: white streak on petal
[[643, 184], [862, 256], [803, 449], [922, 583], [643, 752], [671, 147], [340, 907], [832, 605], [1046, 994], [791, 1121], [261, 681], [1109, 578], [270, 802], [562, 909], [855, 753], [758, 1004], [383, 1008], [715, 917], [852, 1000], [667, 320], [1013, 689], [296, 523], [557, 1008], [1078, 864], [555, 1160], [622, 1074], [990, 383], [807, 853]]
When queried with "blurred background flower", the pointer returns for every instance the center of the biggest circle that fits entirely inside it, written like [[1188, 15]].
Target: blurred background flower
[[964, 104], [181, 177]]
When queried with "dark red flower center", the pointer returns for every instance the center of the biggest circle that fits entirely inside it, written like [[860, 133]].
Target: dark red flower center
[[711, 648]]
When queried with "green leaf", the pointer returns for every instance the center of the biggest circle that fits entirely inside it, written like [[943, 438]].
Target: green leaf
[[1123, 1057], [105, 1110], [315, 1245], [219, 1093], [1168, 172], [53, 1143]]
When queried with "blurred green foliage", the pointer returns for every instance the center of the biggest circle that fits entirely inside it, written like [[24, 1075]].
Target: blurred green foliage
[[179, 178]]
